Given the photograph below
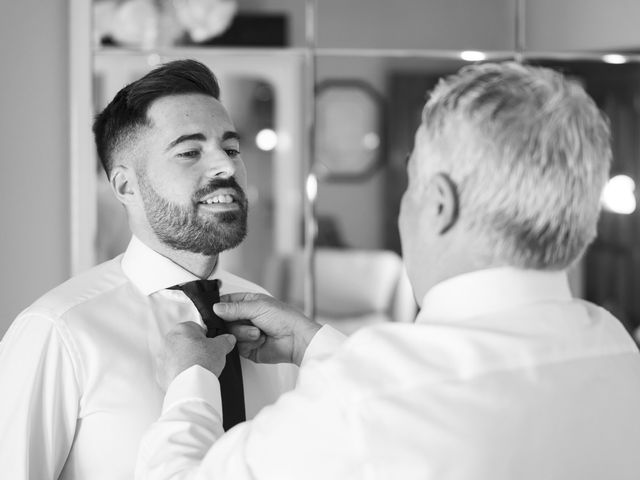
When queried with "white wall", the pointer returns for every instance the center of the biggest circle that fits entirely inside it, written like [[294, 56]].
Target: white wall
[[34, 172], [582, 25], [417, 24]]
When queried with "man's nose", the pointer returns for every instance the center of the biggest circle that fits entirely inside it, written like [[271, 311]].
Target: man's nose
[[219, 164]]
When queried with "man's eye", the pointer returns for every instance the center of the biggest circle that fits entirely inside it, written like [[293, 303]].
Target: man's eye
[[232, 152], [189, 154]]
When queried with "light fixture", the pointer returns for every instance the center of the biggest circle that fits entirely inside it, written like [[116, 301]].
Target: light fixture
[[153, 60], [614, 58], [312, 187], [618, 195], [371, 141], [472, 56], [266, 139]]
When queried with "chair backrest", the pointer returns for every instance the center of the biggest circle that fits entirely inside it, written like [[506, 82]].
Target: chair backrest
[[354, 288]]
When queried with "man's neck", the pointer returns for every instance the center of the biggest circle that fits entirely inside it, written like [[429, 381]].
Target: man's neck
[[200, 265], [453, 262]]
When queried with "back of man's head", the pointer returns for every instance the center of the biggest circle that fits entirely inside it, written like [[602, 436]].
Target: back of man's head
[[120, 121], [529, 153]]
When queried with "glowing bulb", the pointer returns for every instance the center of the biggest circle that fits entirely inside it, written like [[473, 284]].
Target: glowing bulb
[[266, 139], [618, 196], [153, 60], [371, 141], [614, 58], [312, 187], [472, 56]]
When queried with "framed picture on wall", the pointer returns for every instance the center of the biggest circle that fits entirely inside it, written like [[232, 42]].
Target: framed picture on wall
[[348, 143]]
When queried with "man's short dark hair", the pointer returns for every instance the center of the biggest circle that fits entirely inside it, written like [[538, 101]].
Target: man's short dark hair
[[127, 112]]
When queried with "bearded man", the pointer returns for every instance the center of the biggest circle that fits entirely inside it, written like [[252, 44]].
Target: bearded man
[[76, 367]]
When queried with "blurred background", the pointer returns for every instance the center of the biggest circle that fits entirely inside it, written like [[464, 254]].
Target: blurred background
[[326, 97]]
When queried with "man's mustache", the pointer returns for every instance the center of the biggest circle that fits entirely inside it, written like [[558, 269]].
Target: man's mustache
[[218, 183]]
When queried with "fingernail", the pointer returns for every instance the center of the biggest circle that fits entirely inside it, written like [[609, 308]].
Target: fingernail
[[254, 333], [220, 307]]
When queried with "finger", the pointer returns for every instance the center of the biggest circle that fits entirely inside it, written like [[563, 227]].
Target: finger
[[245, 349], [189, 328], [244, 333], [249, 349], [241, 297], [242, 310], [224, 343]]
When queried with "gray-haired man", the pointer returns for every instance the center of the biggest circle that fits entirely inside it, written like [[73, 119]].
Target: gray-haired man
[[503, 376]]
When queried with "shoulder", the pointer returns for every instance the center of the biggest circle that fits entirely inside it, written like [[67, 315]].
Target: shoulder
[[231, 283], [79, 290], [377, 360]]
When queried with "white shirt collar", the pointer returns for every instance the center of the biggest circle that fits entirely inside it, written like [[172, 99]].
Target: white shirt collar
[[150, 271], [488, 291]]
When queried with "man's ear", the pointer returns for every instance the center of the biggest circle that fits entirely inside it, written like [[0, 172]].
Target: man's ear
[[444, 202], [122, 184]]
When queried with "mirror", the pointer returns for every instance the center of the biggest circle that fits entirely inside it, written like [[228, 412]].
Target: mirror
[[394, 52], [362, 213]]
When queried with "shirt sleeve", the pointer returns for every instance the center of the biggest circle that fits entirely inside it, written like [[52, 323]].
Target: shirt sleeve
[[40, 398], [308, 433], [323, 345]]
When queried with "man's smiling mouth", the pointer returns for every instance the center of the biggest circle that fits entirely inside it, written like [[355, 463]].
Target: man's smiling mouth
[[218, 199], [221, 199]]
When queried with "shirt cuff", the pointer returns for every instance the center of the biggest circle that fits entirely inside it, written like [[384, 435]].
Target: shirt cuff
[[194, 383], [323, 344]]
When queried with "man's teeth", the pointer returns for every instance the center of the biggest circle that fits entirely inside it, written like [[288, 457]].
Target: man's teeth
[[218, 199]]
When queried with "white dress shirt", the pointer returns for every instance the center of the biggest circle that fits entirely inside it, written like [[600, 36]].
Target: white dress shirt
[[504, 376], [77, 380]]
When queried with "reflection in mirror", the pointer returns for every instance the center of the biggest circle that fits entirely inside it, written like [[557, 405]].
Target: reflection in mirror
[[357, 215], [149, 25], [362, 214], [612, 262], [347, 150]]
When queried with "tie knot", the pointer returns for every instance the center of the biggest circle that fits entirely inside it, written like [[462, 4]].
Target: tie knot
[[206, 289], [204, 294]]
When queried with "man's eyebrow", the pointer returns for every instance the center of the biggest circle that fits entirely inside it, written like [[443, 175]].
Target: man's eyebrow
[[183, 138], [230, 135]]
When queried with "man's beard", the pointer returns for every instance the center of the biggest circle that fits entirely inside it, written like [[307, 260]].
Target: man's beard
[[182, 228]]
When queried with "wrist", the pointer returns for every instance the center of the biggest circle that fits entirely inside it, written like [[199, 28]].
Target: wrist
[[303, 339]]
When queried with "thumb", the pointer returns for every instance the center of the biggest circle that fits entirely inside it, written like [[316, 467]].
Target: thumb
[[225, 342]]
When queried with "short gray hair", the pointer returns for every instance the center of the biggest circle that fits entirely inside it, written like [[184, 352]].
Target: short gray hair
[[529, 151]]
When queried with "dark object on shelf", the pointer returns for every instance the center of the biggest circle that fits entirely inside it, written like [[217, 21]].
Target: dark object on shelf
[[252, 30]]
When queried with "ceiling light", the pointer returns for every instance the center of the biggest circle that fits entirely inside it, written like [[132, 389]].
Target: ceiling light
[[266, 139], [371, 141], [312, 187], [472, 56], [618, 195], [614, 58]]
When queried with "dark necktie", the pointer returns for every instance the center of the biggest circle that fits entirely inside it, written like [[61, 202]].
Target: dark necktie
[[204, 294]]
